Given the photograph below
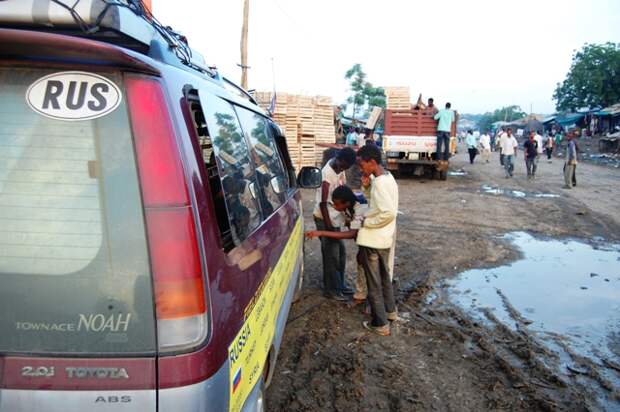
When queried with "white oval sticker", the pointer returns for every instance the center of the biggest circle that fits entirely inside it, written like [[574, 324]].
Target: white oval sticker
[[73, 96]]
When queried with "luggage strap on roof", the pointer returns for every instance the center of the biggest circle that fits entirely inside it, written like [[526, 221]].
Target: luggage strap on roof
[[131, 18]]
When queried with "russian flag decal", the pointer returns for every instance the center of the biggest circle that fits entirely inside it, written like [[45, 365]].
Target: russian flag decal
[[237, 380]]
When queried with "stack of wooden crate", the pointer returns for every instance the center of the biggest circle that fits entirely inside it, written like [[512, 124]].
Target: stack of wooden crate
[[306, 121], [398, 98]]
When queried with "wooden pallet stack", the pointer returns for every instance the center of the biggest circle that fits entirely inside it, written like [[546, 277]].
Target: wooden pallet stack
[[324, 129], [398, 98], [305, 121]]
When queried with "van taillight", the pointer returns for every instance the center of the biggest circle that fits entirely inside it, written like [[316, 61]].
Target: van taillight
[[178, 281]]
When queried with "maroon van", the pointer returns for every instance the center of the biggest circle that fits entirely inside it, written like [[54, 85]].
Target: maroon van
[[150, 219]]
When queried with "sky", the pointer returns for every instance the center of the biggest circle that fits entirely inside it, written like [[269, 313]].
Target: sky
[[478, 54]]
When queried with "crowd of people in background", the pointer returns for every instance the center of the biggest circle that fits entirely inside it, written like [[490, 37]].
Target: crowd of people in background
[[534, 148]]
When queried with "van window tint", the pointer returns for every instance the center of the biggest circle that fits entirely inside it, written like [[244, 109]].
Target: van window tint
[[235, 168], [74, 270], [269, 170]]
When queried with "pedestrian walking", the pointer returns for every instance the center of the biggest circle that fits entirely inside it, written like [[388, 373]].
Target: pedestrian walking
[[558, 141], [570, 163], [508, 147], [549, 147], [501, 135], [444, 129], [530, 148], [472, 146], [325, 217], [538, 137], [485, 146], [375, 238]]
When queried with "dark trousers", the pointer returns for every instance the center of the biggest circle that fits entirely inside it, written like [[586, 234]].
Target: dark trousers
[[472, 154], [443, 138], [334, 261], [380, 290], [531, 165], [549, 152]]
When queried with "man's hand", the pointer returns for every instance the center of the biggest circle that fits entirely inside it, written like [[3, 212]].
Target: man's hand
[[311, 234], [365, 181]]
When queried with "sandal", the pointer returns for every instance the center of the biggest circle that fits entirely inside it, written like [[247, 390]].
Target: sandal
[[379, 330]]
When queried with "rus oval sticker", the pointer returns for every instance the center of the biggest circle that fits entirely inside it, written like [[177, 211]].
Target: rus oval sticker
[[73, 96]]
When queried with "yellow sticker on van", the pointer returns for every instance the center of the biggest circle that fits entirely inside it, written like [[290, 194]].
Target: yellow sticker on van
[[248, 352]]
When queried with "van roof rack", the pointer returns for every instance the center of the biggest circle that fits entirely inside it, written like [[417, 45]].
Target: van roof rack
[[126, 23]]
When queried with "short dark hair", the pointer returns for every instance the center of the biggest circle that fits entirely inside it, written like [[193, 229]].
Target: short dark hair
[[448, 105], [344, 194], [430, 99], [346, 155], [369, 152]]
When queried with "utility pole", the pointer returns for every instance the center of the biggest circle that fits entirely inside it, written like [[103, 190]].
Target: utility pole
[[244, 45]]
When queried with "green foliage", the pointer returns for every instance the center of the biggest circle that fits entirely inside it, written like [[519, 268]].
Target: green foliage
[[593, 79], [363, 93], [505, 114]]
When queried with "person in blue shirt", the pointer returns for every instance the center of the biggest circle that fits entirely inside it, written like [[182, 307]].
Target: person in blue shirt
[[351, 138], [444, 127]]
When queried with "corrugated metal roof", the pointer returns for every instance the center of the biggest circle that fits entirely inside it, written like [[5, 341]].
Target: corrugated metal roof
[[613, 110]]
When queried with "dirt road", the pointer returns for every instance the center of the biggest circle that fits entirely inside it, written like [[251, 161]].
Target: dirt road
[[440, 358]]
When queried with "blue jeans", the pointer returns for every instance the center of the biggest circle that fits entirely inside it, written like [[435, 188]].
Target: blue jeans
[[443, 138], [509, 165]]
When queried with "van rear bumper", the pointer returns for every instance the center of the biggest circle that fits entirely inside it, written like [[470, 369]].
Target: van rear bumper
[[26, 400]]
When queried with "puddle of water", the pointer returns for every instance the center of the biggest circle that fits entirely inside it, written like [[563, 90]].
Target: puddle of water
[[566, 288], [491, 190]]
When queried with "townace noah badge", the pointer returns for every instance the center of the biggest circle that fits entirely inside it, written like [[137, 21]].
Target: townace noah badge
[[73, 96]]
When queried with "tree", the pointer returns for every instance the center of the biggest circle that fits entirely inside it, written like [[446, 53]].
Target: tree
[[593, 79], [505, 114], [364, 94]]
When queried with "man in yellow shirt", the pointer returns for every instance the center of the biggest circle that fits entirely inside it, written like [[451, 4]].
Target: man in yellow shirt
[[375, 238]]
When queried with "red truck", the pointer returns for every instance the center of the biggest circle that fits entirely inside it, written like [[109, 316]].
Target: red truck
[[410, 142]]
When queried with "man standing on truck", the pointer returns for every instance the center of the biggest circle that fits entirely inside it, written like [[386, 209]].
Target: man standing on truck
[[431, 106], [375, 238], [444, 128], [332, 250]]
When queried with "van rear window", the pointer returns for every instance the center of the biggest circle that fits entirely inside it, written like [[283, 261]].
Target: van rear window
[[74, 269]]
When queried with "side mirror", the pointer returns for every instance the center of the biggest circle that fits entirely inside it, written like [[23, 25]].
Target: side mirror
[[309, 177]]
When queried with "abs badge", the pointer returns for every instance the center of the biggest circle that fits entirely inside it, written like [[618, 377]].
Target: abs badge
[[73, 96]]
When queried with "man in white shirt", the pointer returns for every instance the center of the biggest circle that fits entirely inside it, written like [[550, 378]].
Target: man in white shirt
[[500, 134], [375, 238], [333, 250], [485, 145], [539, 139], [508, 146], [361, 138]]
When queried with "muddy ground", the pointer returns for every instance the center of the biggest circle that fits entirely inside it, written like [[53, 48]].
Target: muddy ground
[[439, 358]]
